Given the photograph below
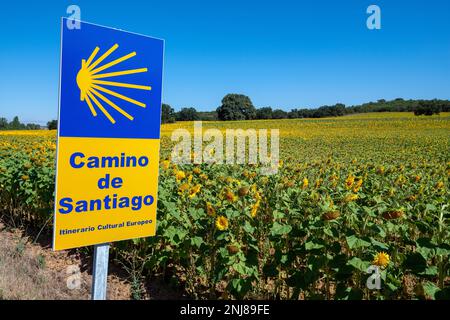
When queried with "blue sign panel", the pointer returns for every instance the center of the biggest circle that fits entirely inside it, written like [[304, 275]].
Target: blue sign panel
[[110, 83]]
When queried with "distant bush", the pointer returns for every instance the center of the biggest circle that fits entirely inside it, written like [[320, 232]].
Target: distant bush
[[15, 124], [427, 108], [52, 125], [167, 114], [187, 114]]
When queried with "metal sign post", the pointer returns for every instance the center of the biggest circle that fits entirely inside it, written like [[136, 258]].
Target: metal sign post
[[100, 271]]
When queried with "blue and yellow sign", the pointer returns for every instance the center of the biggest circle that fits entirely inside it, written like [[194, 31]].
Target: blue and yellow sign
[[108, 136]]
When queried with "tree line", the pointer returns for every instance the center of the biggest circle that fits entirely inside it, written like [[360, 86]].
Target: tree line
[[15, 124], [240, 107]]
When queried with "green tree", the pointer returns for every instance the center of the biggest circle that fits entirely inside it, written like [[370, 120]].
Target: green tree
[[279, 114], [264, 113], [293, 114], [167, 114], [3, 124], [33, 126], [52, 125], [427, 108], [187, 114], [236, 107], [15, 124]]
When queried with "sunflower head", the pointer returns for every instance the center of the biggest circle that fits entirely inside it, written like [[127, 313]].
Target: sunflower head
[[305, 183], [229, 195], [166, 164], [197, 170], [180, 175], [183, 187], [210, 209], [232, 249], [393, 214], [243, 191], [221, 223], [381, 259], [194, 190], [349, 181], [331, 215], [254, 209]]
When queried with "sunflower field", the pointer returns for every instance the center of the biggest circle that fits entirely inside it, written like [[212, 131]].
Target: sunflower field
[[351, 193]]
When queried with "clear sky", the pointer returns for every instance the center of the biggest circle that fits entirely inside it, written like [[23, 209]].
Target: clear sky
[[284, 54]]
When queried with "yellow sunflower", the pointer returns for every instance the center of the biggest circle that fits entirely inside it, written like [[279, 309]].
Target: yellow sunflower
[[349, 181], [305, 183], [254, 209], [183, 187], [230, 196], [180, 175], [166, 164], [194, 190], [210, 209], [197, 170], [381, 259], [358, 185], [221, 223]]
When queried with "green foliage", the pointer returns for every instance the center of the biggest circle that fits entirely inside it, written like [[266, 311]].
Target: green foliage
[[15, 124], [264, 113], [236, 107], [52, 125], [187, 114], [3, 123], [419, 107], [279, 114], [429, 108], [167, 114]]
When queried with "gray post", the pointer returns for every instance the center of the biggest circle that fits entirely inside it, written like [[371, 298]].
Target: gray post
[[100, 271]]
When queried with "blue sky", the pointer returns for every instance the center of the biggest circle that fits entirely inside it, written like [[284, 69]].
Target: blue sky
[[284, 54]]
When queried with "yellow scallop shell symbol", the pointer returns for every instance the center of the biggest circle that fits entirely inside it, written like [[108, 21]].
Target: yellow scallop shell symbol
[[90, 85]]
